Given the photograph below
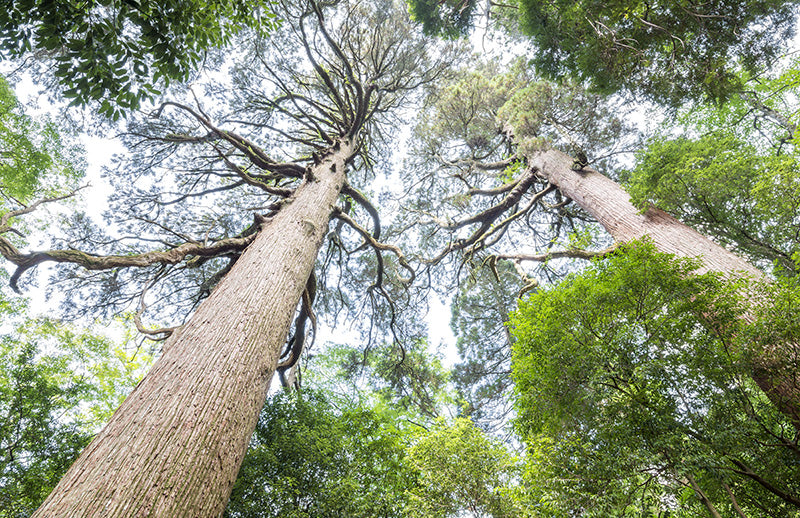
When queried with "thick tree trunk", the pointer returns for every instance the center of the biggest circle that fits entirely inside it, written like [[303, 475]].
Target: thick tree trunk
[[611, 206], [176, 444]]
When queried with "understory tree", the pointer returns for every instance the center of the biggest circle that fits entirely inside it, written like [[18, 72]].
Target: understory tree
[[58, 386], [222, 213], [357, 453], [635, 393], [312, 456]]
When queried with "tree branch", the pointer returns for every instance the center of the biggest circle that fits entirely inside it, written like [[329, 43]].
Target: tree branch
[[97, 262], [572, 253], [377, 245]]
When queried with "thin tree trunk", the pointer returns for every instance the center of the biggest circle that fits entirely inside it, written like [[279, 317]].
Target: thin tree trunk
[[703, 498], [175, 446], [611, 206], [734, 501]]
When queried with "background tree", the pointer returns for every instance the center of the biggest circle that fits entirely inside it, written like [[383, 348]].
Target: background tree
[[635, 396], [730, 171], [119, 52], [58, 386], [405, 376], [311, 456], [668, 51], [330, 79], [481, 310], [463, 472]]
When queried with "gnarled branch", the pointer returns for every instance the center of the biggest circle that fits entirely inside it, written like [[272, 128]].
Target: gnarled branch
[[105, 262], [377, 246]]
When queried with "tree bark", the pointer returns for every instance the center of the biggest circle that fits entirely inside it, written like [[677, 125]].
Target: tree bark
[[611, 206], [175, 446]]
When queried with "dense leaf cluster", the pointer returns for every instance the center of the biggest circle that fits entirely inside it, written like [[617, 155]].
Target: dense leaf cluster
[[34, 156], [634, 393], [119, 51], [314, 454], [666, 50]]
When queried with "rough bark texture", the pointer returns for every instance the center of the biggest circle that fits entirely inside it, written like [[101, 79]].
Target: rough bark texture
[[176, 444], [611, 206]]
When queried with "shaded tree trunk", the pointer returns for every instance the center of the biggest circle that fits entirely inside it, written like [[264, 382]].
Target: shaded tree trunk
[[176, 444], [611, 206]]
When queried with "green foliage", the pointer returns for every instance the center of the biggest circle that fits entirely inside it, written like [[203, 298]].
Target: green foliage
[[669, 51], [408, 377], [666, 50], [473, 116], [480, 311], [314, 455], [310, 458], [34, 158], [728, 183], [37, 448], [119, 51], [634, 378], [462, 472], [58, 385], [448, 18]]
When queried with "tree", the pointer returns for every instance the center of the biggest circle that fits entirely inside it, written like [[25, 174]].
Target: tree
[[481, 310], [176, 443], [120, 51], [635, 396], [729, 172], [503, 156], [312, 456], [463, 472], [315, 453], [668, 51], [58, 385], [35, 158]]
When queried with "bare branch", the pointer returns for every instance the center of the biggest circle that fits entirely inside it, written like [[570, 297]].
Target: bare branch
[[250, 180], [96, 262], [377, 245], [4, 219], [487, 216], [365, 203], [159, 334], [253, 152], [572, 253]]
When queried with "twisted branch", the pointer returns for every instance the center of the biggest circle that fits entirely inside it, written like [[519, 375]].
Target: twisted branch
[[378, 247]]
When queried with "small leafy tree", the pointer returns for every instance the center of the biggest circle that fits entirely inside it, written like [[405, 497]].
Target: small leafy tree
[[635, 394], [311, 457], [58, 385], [463, 472], [35, 158]]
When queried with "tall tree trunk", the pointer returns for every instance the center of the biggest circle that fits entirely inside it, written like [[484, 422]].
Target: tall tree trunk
[[611, 206], [176, 444]]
